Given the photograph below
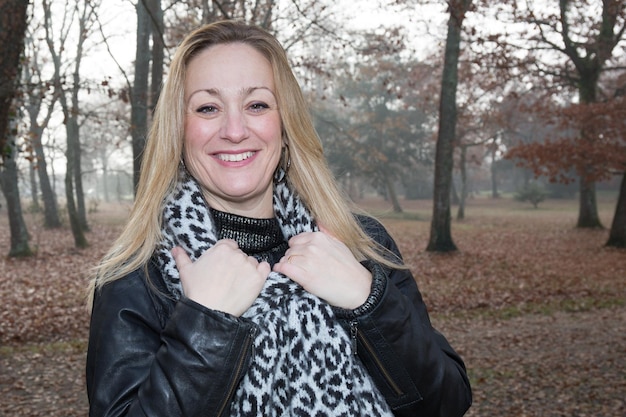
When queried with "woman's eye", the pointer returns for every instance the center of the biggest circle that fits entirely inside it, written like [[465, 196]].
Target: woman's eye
[[259, 107], [206, 109]]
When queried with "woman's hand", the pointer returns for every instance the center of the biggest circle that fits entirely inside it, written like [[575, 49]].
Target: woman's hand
[[325, 267], [224, 278]]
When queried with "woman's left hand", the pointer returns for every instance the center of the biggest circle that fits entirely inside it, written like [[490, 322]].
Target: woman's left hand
[[325, 267]]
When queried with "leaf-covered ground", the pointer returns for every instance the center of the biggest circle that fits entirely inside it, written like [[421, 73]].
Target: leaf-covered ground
[[536, 308]]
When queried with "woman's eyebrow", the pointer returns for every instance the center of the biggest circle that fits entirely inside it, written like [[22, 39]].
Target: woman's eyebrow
[[243, 92], [250, 90]]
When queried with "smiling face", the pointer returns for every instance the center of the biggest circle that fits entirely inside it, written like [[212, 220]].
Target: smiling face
[[232, 142]]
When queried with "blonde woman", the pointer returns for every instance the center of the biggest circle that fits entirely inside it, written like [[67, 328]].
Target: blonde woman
[[243, 285]]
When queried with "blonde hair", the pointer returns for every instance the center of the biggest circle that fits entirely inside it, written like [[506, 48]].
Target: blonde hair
[[308, 174]]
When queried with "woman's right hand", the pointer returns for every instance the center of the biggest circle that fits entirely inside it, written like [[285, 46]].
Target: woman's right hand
[[224, 278]]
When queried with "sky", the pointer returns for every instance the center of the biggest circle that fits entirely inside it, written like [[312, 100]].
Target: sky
[[119, 22]]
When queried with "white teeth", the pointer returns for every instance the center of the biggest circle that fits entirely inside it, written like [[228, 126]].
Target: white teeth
[[234, 157]]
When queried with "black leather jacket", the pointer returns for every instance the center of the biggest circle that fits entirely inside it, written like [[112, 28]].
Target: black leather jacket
[[150, 355]]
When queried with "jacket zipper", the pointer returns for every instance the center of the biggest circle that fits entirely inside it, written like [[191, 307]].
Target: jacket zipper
[[238, 368], [354, 333]]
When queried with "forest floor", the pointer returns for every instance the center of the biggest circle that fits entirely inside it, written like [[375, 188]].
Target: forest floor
[[536, 308]]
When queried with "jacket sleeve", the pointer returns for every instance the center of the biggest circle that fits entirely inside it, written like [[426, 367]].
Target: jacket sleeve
[[140, 363], [412, 364]]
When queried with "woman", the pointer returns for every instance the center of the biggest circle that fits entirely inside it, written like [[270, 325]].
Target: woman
[[242, 283]]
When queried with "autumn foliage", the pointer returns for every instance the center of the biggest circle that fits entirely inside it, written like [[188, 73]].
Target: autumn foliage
[[588, 140]]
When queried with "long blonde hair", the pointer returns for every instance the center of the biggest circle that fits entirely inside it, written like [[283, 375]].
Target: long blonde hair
[[308, 174]]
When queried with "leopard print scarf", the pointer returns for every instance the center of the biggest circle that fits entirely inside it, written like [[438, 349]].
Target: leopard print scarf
[[303, 363]]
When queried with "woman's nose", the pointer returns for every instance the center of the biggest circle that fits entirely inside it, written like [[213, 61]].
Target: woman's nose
[[234, 127]]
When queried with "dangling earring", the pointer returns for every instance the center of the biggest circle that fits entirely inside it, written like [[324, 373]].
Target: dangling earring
[[285, 159], [283, 165]]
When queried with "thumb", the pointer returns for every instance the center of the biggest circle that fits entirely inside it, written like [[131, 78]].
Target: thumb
[[180, 257], [264, 268]]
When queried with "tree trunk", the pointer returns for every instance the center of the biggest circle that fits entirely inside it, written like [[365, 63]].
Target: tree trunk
[[139, 95], [494, 172], [73, 123], [50, 206], [10, 189], [460, 215], [80, 192], [71, 127], [391, 192], [105, 175], [157, 52], [588, 207], [617, 236], [13, 21], [587, 93], [440, 230], [34, 188], [74, 185], [80, 241]]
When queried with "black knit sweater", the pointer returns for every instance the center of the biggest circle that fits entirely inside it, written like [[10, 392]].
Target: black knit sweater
[[261, 238]]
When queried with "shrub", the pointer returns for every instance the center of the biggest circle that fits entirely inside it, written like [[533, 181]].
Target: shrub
[[533, 193]]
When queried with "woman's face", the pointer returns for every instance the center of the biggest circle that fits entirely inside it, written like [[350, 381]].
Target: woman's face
[[233, 128]]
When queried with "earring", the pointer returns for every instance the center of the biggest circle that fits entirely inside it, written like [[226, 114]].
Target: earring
[[284, 164], [285, 159]]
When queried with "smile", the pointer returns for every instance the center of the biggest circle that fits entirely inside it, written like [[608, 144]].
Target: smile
[[237, 157]]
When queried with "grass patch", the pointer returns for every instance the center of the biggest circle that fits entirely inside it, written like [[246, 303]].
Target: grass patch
[[58, 347]]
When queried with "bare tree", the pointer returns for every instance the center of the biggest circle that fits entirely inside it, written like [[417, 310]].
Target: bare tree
[[83, 13], [41, 95]]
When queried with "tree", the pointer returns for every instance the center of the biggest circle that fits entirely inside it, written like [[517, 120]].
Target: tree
[[13, 19], [84, 12], [573, 46], [440, 231], [374, 128], [601, 153], [479, 128], [617, 235], [519, 124], [139, 93], [40, 94], [463, 161]]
